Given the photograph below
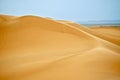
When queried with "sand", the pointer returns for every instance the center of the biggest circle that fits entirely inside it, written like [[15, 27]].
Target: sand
[[37, 48]]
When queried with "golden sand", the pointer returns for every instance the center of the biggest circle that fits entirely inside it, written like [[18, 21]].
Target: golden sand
[[36, 48]]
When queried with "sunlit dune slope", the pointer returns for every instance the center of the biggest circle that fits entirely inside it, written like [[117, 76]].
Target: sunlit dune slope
[[110, 34], [37, 48]]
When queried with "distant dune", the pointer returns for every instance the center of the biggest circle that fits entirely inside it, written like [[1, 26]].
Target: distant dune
[[37, 48]]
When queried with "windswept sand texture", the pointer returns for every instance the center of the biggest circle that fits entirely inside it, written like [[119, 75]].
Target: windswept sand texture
[[36, 48]]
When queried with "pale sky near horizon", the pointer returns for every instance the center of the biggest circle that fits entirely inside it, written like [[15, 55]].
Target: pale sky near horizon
[[76, 10]]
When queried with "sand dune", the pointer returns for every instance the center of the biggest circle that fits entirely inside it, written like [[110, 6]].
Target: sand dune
[[5, 18], [104, 33], [37, 48], [108, 34]]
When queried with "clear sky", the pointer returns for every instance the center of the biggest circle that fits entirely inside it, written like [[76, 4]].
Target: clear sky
[[76, 10]]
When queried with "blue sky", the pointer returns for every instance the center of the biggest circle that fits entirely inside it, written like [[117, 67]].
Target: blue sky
[[76, 10]]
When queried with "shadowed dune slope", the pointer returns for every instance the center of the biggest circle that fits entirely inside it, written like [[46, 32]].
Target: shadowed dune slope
[[37, 48]]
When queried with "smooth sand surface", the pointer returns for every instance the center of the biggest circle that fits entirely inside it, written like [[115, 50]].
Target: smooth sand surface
[[37, 48]]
